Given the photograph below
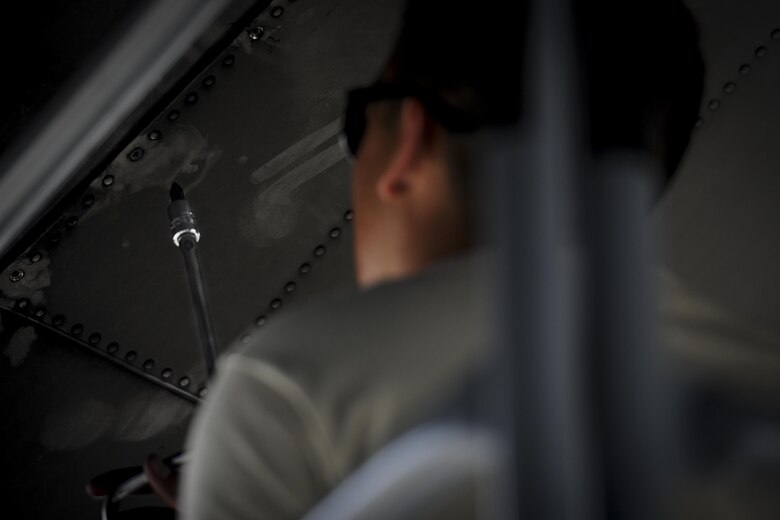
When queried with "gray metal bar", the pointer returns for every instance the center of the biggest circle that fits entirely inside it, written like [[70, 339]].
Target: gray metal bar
[[534, 174], [104, 99], [634, 392]]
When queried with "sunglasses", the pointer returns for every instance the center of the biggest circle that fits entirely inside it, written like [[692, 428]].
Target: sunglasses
[[453, 119]]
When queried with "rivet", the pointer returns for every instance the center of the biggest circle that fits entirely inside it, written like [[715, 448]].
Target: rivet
[[209, 81], [319, 250], [77, 329], [290, 287], [166, 373], [255, 33], [36, 257], [245, 338], [714, 104], [108, 180], [761, 52], [229, 60], [148, 364], [276, 303], [58, 320], [88, 201], [699, 122], [136, 154], [191, 98], [40, 312], [95, 338], [54, 239], [184, 381], [277, 11], [154, 135], [349, 215], [112, 347], [203, 392], [72, 222], [130, 356], [729, 87], [260, 321], [744, 69], [23, 304], [173, 115], [304, 269], [776, 34], [334, 233], [16, 275]]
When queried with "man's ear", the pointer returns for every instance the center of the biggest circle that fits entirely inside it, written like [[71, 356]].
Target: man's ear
[[412, 129]]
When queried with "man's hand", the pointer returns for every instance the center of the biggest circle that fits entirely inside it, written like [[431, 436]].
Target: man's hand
[[163, 481]]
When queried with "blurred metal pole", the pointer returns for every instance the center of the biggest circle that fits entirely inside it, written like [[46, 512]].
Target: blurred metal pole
[[634, 393], [533, 174]]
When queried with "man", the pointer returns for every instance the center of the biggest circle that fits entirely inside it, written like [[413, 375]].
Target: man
[[318, 392]]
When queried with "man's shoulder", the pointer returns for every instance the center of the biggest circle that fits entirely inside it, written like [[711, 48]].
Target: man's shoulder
[[442, 309]]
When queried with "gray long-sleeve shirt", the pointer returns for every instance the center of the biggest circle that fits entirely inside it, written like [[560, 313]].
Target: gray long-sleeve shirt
[[319, 391]]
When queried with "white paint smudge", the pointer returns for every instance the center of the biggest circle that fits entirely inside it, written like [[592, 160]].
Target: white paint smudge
[[275, 213], [186, 157], [19, 345], [296, 152], [79, 424], [146, 416], [37, 277]]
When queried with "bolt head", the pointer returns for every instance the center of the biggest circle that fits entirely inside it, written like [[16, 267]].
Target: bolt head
[[255, 33], [136, 154]]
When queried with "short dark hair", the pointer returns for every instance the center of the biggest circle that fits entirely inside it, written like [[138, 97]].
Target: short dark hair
[[645, 69]]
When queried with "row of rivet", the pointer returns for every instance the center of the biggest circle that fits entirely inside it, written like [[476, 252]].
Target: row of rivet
[[303, 270], [730, 87], [23, 306], [77, 329]]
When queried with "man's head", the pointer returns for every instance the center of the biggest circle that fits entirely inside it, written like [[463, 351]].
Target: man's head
[[456, 67]]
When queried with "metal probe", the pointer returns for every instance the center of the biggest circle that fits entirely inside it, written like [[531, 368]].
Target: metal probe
[[184, 230]]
